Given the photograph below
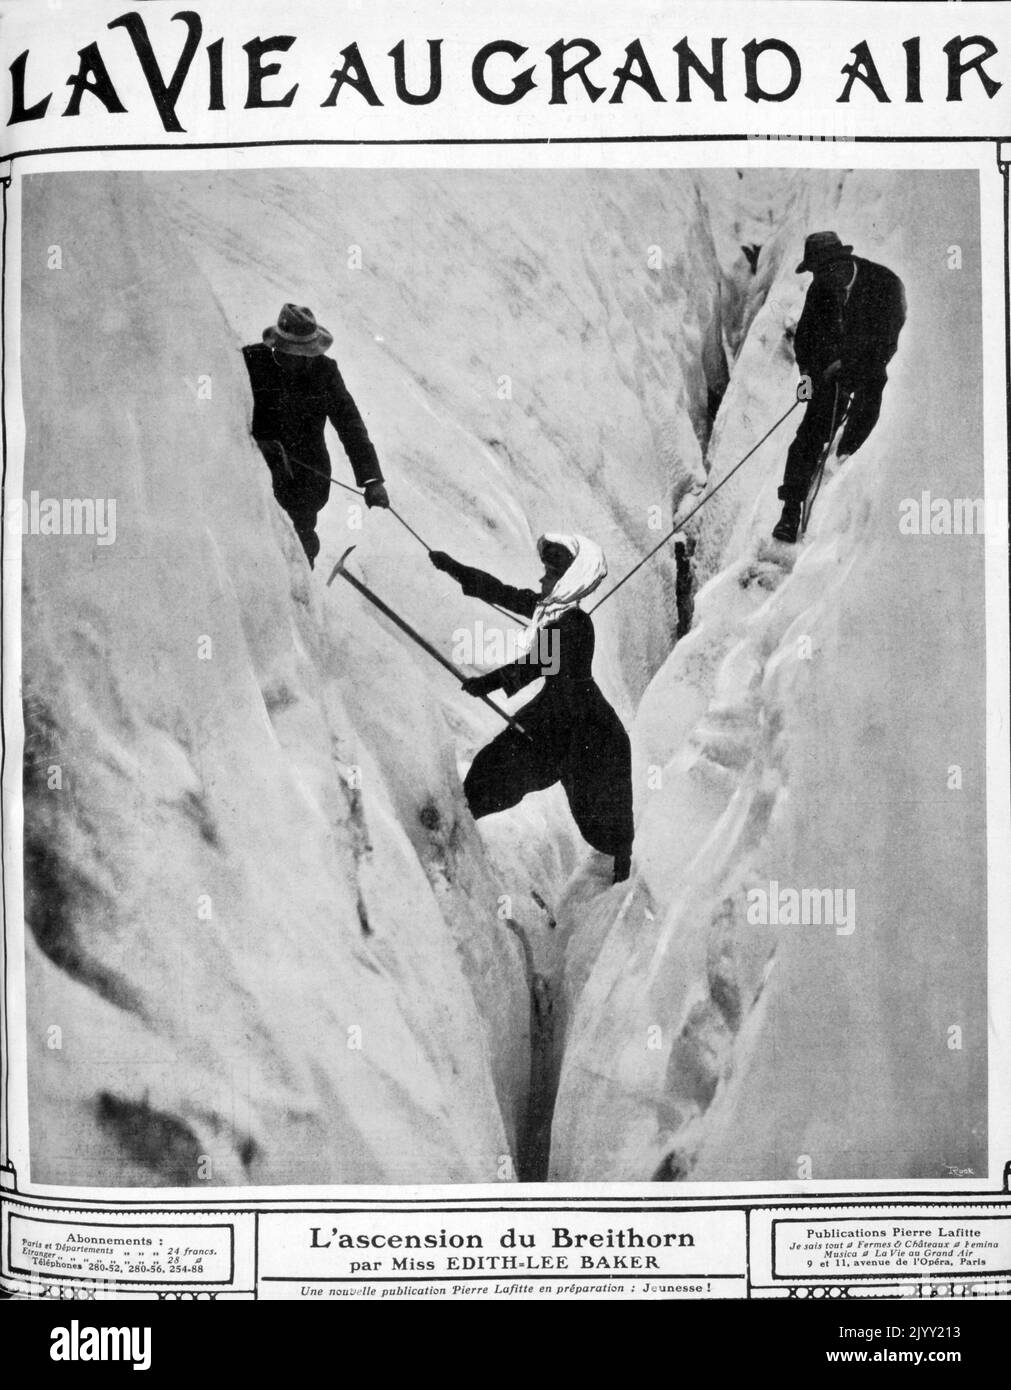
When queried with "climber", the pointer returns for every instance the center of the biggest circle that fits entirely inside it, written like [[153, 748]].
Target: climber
[[570, 734], [296, 389], [847, 334]]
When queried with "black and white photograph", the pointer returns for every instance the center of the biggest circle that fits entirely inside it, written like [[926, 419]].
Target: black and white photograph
[[505, 651], [520, 712]]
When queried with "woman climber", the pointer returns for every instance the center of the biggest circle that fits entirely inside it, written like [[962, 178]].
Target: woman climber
[[570, 733]]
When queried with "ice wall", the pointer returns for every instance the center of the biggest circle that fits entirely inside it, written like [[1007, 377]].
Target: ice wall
[[266, 967], [277, 947], [275, 943], [806, 733]]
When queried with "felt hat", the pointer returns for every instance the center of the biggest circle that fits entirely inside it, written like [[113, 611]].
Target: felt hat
[[297, 332], [820, 248]]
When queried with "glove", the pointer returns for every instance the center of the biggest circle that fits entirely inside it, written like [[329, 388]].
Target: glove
[[442, 561], [832, 370], [375, 494], [481, 685]]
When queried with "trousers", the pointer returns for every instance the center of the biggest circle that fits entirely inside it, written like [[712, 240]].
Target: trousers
[[304, 521], [861, 405]]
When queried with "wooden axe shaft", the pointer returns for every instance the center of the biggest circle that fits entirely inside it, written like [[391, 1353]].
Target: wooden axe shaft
[[422, 642]]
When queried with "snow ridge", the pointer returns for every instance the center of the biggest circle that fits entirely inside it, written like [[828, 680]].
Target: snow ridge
[[279, 949], [701, 1042]]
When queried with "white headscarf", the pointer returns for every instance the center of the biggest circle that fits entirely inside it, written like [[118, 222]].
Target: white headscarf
[[587, 570]]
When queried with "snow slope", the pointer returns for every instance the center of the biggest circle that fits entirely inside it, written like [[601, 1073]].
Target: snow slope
[[804, 733], [279, 950]]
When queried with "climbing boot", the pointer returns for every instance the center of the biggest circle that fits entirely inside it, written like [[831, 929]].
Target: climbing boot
[[787, 527]]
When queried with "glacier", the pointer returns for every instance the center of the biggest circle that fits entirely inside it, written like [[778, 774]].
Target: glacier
[[277, 948]]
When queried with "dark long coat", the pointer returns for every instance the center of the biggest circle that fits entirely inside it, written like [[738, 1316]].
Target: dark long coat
[[571, 733], [294, 409]]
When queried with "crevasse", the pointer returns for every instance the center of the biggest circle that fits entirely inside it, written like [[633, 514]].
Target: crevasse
[[281, 951]]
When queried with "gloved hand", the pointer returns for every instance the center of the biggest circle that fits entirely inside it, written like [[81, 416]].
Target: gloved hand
[[442, 561], [832, 370], [482, 685], [376, 495]]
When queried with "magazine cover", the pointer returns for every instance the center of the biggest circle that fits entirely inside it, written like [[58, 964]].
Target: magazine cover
[[505, 664]]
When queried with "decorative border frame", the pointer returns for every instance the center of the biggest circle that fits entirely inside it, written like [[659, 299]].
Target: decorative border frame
[[242, 1218]]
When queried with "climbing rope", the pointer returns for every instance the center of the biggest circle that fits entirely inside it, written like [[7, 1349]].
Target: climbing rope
[[698, 507], [815, 488], [336, 482]]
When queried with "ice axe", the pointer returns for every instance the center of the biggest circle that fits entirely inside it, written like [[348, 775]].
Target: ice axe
[[405, 627]]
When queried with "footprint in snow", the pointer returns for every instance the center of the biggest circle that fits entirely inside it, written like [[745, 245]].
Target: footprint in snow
[[768, 570]]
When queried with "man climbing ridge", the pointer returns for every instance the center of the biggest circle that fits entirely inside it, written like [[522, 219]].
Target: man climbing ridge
[[296, 389], [569, 733], [847, 334]]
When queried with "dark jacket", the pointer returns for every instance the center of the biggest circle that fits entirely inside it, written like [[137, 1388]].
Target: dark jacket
[[294, 410], [861, 331], [573, 736]]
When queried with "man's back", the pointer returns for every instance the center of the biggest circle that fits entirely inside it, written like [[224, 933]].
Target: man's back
[[292, 404], [874, 314], [860, 325], [290, 407]]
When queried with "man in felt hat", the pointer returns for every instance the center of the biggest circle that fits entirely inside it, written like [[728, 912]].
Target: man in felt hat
[[846, 336], [296, 389]]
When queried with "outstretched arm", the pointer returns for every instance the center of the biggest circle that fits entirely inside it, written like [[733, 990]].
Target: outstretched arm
[[347, 421], [477, 584]]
